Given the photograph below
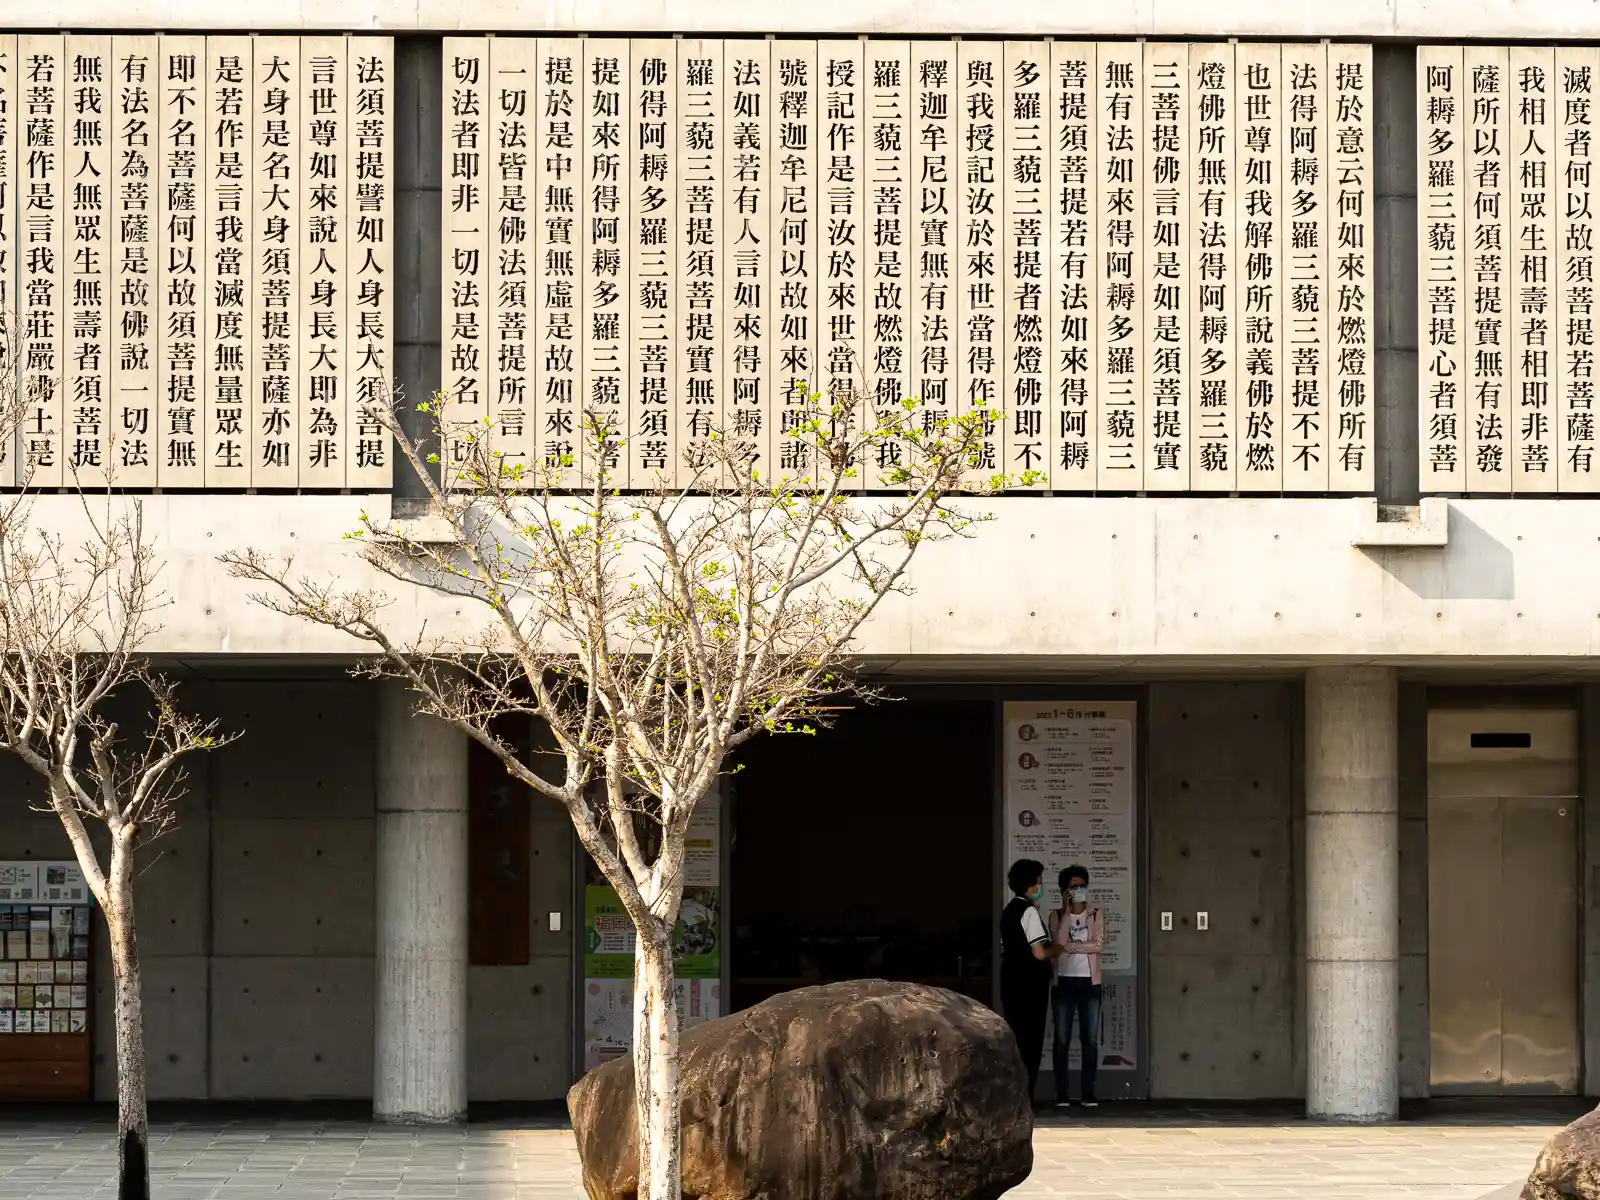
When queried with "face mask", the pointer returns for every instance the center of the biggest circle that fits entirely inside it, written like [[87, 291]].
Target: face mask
[[1036, 892], [1080, 895]]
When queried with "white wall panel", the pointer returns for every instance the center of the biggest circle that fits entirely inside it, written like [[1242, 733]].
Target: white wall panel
[[1488, 269], [1025, 267], [651, 437], [1169, 248], [511, 347], [749, 188], [1439, 318], [841, 164], [698, 409], [1120, 164], [468, 153], [229, 262], [87, 230], [607, 191], [1262, 232], [1305, 184], [1074, 308], [369, 281], [980, 224], [45, 255], [1351, 384], [10, 313], [133, 271], [1576, 197], [935, 233], [1212, 194], [276, 202], [559, 306], [1534, 362], [798, 237], [324, 240]]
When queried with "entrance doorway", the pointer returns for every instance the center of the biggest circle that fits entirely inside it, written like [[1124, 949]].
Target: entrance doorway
[[866, 851], [1503, 898]]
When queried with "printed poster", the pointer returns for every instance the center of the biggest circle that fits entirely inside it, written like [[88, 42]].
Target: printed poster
[[19, 881], [62, 883], [608, 1014], [1070, 775]]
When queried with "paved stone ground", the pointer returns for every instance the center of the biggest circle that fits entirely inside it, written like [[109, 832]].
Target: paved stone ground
[[1130, 1154]]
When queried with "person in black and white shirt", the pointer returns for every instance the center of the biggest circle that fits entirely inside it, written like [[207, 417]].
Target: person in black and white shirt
[[1026, 954]]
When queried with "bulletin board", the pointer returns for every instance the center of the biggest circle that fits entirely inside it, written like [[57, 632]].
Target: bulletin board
[[46, 1036], [606, 951]]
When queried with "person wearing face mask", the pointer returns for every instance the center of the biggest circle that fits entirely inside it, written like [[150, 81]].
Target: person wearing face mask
[[1026, 955], [1079, 931]]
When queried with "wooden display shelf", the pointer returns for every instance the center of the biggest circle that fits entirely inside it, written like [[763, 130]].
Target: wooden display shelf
[[46, 1066]]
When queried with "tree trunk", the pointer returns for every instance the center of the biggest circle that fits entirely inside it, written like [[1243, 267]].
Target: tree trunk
[[655, 1066], [133, 1163]]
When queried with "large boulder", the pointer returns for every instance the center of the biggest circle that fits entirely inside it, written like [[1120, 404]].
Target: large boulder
[[1569, 1164], [853, 1091]]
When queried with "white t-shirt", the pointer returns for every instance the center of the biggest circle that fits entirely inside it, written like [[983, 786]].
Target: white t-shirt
[[1074, 966], [1033, 926]]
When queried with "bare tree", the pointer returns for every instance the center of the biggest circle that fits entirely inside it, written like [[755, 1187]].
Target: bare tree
[[78, 602], [653, 631]]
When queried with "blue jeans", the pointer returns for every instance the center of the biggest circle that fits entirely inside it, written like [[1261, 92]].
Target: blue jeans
[[1077, 996]]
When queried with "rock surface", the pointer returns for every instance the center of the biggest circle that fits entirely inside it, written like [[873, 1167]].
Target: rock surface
[[853, 1091], [1569, 1164]]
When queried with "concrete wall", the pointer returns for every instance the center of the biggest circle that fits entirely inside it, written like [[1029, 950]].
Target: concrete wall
[[1222, 829], [256, 925], [519, 1042], [292, 892], [1118, 18], [256, 921]]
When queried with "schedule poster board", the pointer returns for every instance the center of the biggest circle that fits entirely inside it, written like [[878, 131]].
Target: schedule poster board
[[608, 950], [1070, 777]]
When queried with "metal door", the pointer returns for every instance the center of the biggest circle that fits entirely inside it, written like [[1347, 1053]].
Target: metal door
[[1503, 900]]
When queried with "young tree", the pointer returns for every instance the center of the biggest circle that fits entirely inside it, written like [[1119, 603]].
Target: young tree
[[653, 632], [79, 598]]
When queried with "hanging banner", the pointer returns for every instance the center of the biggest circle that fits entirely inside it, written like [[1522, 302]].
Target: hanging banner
[[1070, 773], [608, 957]]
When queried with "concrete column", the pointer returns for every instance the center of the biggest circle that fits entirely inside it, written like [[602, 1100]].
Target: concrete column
[[418, 312], [420, 1053], [1394, 291], [1352, 894], [1589, 885]]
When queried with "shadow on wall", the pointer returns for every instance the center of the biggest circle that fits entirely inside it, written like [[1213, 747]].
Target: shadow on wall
[[1474, 566]]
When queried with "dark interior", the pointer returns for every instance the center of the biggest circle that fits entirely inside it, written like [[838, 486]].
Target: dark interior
[[866, 850]]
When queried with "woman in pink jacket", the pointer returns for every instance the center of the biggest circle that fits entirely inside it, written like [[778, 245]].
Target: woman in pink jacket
[[1079, 931]]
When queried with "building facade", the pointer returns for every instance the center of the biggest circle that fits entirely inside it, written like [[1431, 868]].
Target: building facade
[[1286, 320]]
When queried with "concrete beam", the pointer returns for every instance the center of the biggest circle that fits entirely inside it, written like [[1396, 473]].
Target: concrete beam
[[1101, 581]]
